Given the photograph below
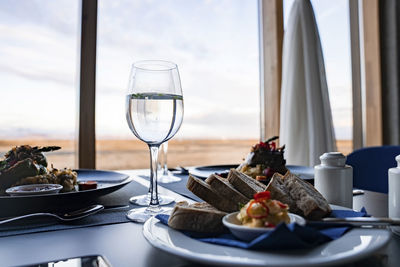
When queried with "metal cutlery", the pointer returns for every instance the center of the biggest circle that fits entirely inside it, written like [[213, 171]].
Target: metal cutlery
[[65, 217], [363, 221]]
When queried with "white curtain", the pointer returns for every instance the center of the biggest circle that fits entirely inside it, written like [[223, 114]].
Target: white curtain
[[306, 126]]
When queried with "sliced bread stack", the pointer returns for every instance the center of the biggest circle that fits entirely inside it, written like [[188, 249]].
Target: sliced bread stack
[[226, 194], [222, 195]]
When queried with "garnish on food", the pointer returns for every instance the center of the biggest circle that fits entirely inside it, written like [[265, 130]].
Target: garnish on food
[[262, 211], [87, 185], [264, 159]]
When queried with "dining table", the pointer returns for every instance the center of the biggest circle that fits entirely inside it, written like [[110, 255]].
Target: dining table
[[122, 243]]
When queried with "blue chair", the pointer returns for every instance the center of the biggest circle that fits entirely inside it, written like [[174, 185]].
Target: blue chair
[[370, 167]]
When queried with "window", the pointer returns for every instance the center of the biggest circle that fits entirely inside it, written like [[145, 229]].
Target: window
[[215, 45], [39, 52]]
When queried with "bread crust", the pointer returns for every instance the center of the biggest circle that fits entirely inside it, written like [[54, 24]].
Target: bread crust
[[302, 198], [245, 184], [204, 191], [280, 192], [226, 190], [313, 205], [197, 217]]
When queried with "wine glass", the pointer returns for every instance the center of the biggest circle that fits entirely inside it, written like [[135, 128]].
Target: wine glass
[[166, 176], [154, 112]]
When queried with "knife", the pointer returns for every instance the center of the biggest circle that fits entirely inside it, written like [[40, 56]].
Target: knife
[[363, 221], [115, 207]]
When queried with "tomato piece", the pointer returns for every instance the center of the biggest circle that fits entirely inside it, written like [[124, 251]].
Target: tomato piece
[[261, 178], [262, 195]]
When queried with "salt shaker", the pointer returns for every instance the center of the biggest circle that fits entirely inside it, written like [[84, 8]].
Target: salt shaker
[[394, 190], [334, 179]]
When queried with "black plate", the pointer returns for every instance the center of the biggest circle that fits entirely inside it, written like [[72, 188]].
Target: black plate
[[304, 172], [107, 182], [205, 171]]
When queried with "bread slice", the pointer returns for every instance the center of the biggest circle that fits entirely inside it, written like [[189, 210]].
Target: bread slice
[[313, 205], [302, 198], [226, 190], [204, 191], [280, 192], [245, 184], [197, 217]]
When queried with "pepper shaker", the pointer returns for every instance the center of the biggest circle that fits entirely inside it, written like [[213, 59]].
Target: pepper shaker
[[334, 179], [394, 190]]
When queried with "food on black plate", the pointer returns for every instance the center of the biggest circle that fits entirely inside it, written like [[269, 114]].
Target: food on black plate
[[264, 159], [28, 165]]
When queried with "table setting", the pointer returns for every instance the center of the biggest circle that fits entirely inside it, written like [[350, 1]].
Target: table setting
[[260, 212]]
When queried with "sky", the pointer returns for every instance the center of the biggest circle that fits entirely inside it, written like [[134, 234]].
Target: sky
[[214, 44]]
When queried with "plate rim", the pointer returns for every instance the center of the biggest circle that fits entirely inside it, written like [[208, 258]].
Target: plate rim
[[194, 170], [125, 181], [385, 236]]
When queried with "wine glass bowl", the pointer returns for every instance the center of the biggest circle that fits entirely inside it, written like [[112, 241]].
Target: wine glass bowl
[[154, 112]]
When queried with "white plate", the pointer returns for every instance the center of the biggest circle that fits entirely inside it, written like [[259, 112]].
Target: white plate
[[356, 244], [249, 233], [34, 189]]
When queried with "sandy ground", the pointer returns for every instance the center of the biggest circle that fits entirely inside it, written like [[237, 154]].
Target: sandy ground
[[133, 154]]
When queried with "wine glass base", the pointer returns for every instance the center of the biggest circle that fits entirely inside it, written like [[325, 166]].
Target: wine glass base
[[144, 200], [141, 215], [167, 178]]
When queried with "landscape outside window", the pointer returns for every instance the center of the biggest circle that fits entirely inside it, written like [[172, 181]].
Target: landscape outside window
[[214, 44]]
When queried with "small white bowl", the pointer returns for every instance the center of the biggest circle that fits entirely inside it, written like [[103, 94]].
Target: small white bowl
[[247, 233], [34, 189]]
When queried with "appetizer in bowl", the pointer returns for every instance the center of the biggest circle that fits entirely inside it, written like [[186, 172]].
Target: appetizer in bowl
[[262, 211], [258, 216]]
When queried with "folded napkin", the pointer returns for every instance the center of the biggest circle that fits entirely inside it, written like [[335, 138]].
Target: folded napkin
[[291, 236]]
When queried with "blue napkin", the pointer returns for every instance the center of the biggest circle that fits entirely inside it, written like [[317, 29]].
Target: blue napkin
[[291, 236]]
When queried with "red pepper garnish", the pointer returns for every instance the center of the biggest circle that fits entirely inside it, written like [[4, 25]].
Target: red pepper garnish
[[273, 145], [283, 206], [248, 210], [262, 195], [267, 224]]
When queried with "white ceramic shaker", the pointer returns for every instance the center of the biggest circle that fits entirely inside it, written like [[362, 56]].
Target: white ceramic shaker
[[334, 179], [394, 190]]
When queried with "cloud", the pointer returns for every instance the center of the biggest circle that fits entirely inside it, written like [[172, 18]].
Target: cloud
[[36, 75], [214, 43]]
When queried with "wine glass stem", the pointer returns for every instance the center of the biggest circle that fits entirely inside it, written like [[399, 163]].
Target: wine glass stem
[[153, 176], [165, 152]]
